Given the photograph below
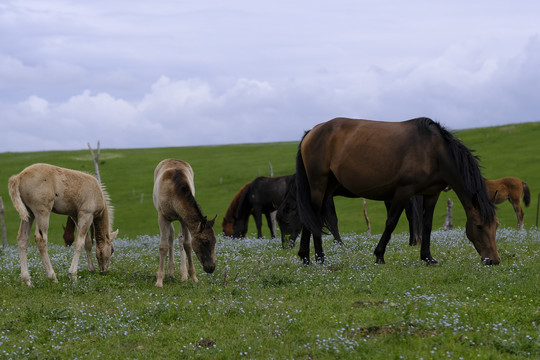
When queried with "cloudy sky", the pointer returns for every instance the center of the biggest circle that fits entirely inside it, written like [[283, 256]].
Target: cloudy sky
[[181, 73]]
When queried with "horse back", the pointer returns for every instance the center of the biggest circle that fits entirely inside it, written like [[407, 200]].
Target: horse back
[[171, 178], [268, 192], [60, 190], [372, 158]]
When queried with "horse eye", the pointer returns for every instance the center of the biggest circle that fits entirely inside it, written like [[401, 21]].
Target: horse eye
[[480, 227]]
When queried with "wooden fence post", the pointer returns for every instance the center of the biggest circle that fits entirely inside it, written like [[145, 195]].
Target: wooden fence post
[[95, 159], [367, 218], [3, 223], [449, 222]]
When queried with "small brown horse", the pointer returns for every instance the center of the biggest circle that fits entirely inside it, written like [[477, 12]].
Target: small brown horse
[[391, 161], [511, 189], [228, 220], [262, 196], [41, 189], [174, 199]]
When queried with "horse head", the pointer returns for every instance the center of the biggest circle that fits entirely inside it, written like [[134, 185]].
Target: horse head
[[104, 251], [288, 219], [227, 226], [204, 243], [482, 234], [240, 227]]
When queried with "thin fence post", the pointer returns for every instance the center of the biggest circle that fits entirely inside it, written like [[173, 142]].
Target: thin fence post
[[449, 222], [368, 223], [95, 159]]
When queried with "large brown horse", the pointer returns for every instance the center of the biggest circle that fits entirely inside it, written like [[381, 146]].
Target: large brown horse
[[41, 189], [174, 199], [391, 161], [511, 189], [228, 220]]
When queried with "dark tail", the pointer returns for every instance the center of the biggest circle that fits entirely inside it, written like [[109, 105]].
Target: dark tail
[[526, 194], [308, 217]]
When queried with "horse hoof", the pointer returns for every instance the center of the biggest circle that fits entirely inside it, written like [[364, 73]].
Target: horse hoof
[[431, 262], [319, 259], [379, 261], [306, 261]]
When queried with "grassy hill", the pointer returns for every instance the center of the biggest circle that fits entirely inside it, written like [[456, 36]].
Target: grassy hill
[[220, 171]]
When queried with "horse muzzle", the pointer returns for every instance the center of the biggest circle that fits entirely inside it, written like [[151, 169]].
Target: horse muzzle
[[209, 268], [488, 261]]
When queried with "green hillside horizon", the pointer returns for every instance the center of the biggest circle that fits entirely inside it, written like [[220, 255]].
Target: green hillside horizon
[[220, 171]]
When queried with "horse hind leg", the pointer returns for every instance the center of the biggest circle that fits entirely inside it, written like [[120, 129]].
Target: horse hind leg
[[519, 213], [166, 230], [40, 236], [393, 213], [23, 239]]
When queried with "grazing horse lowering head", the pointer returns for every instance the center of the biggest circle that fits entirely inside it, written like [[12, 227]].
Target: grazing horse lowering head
[[481, 233], [104, 251], [204, 245]]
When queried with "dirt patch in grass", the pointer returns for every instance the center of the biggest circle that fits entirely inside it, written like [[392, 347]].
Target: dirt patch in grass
[[380, 330]]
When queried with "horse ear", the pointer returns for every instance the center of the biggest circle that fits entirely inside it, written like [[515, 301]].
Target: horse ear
[[211, 222], [113, 235], [495, 196], [202, 224]]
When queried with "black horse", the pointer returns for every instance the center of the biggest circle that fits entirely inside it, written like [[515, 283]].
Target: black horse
[[262, 196], [290, 225]]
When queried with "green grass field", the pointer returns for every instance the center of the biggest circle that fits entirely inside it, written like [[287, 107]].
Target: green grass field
[[261, 302]]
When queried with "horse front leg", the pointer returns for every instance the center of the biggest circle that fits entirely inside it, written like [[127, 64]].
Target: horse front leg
[[257, 215], [427, 224], [187, 254], [83, 225], [166, 230], [23, 238]]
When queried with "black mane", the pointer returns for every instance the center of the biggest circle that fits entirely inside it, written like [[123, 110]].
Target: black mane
[[244, 205], [182, 189], [467, 165]]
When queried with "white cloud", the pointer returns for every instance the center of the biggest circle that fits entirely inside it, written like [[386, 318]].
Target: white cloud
[[136, 74]]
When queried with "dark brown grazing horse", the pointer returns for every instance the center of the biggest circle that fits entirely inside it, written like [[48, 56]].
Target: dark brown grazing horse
[[511, 189], [263, 196], [289, 220], [228, 220], [391, 161]]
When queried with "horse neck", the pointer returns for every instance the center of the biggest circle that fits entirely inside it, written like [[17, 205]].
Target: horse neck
[[244, 205], [190, 212], [102, 225]]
